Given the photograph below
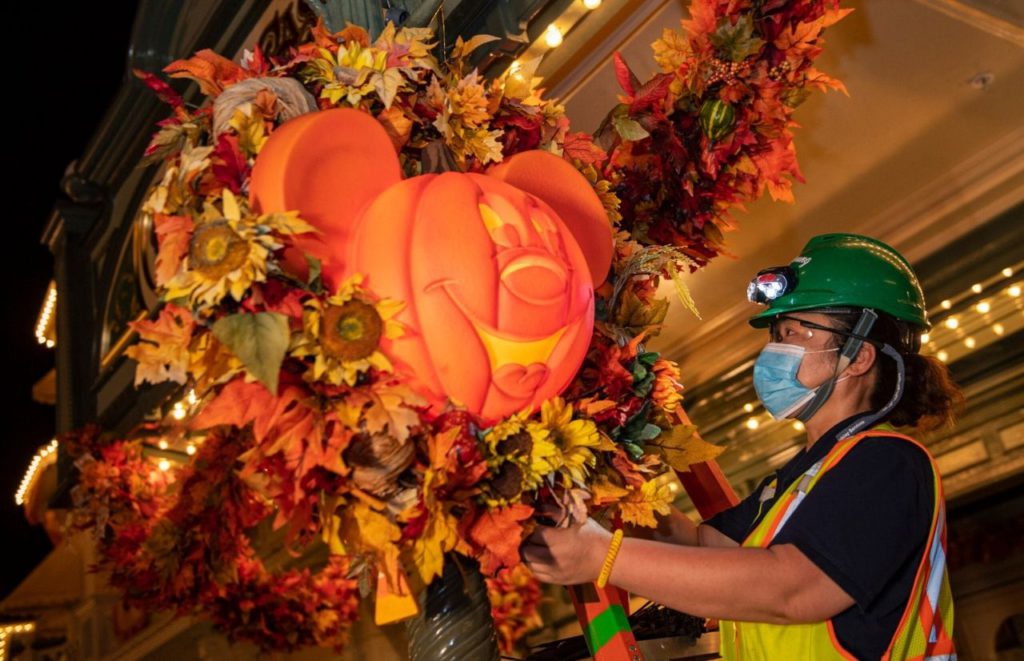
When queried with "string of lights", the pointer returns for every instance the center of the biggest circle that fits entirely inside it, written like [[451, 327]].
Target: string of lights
[[44, 457]]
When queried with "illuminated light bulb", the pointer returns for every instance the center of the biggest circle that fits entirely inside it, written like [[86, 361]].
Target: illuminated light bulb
[[976, 288], [946, 304], [952, 323], [192, 399], [943, 356], [752, 423], [164, 465], [1014, 291], [591, 4], [672, 486], [799, 426], [998, 329], [179, 411], [1008, 272], [969, 342], [748, 407], [50, 344], [983, 307], [925, 338], [190, 449], [162, 445], [552, 36]]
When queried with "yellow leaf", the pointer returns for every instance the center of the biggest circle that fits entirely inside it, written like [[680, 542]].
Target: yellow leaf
[[364, 530], [604, 491], [639, 507], [682, 446], [438, 537], [386, 407]]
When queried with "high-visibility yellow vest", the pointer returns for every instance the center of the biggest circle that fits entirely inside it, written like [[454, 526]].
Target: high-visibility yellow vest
[[926, 628]]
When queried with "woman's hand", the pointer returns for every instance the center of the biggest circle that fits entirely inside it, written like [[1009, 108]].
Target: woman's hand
[[567, 556]]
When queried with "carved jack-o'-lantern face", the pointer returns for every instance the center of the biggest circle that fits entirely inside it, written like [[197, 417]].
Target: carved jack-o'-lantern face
[[498, 292]]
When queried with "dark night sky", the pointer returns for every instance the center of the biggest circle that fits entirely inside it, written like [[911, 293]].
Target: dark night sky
[[67, 69]]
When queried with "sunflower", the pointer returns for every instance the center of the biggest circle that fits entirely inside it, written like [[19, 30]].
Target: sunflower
[[519, 457], [228, 251], [343, 332], [574, 441]]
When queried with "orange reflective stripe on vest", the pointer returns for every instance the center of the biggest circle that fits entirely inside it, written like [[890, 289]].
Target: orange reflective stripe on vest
[[925, 630]]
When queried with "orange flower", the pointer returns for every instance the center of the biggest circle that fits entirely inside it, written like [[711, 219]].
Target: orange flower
[[666, 393]]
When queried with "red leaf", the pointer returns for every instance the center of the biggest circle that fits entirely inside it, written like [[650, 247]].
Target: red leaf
[[627, 79], [581, 147], [230, 167], [163, 91], [499, 533], [651, 94]]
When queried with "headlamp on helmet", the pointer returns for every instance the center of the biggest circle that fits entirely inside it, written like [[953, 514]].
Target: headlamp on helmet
[[770, 284]]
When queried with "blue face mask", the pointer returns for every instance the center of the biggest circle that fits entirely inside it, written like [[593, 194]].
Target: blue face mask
[[775, 379]]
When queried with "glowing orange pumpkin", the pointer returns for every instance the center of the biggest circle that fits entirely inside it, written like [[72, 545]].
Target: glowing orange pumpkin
[[499, 293], [326, 165], [500, 306]]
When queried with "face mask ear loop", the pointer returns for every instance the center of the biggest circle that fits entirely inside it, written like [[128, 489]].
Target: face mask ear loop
[[846, 356]]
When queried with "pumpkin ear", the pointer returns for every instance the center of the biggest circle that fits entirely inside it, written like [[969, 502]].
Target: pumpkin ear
[[326, 165], [555, 181]]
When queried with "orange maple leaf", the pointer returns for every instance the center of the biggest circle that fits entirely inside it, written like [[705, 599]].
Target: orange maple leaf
[[162, 350], [237, 404], [499, 533], [173, 234], [211, 71], [581, 147]]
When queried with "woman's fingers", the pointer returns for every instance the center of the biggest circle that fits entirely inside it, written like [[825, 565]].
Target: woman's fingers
[[537, 554]]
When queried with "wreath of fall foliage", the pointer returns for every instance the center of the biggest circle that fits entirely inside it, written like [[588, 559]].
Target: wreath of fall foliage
[[294, 439]]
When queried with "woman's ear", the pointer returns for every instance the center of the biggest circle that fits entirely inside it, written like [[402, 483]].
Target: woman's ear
[[864, 360]]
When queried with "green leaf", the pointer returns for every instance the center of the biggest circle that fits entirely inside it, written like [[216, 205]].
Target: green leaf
[[628, 128], [737, 42], [636, 316], [259, 340], [634, 427], [643, 388], [634, 450], [649, 432], [315, 271], [648, 358]]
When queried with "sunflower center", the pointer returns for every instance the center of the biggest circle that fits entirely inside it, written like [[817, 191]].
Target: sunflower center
[[351, 331], [216, 250]]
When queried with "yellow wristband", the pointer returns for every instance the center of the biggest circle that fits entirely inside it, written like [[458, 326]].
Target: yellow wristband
[[609, 560]]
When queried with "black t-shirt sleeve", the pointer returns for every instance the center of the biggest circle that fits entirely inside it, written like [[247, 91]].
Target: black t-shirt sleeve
[[867, 517], [735, 522]]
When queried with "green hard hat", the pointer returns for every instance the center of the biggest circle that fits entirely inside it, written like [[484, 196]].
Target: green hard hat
[[842, 271]]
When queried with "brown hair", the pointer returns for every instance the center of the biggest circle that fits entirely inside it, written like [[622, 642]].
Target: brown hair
[[930, 398]]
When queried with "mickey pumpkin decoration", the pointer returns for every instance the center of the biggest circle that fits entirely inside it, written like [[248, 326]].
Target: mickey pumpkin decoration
[[497, 270]]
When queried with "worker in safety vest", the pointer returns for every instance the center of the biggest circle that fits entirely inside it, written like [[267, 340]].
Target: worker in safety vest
[[840, 553]]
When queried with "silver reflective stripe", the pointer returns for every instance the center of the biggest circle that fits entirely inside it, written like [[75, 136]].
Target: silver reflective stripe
[[801, 491]]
